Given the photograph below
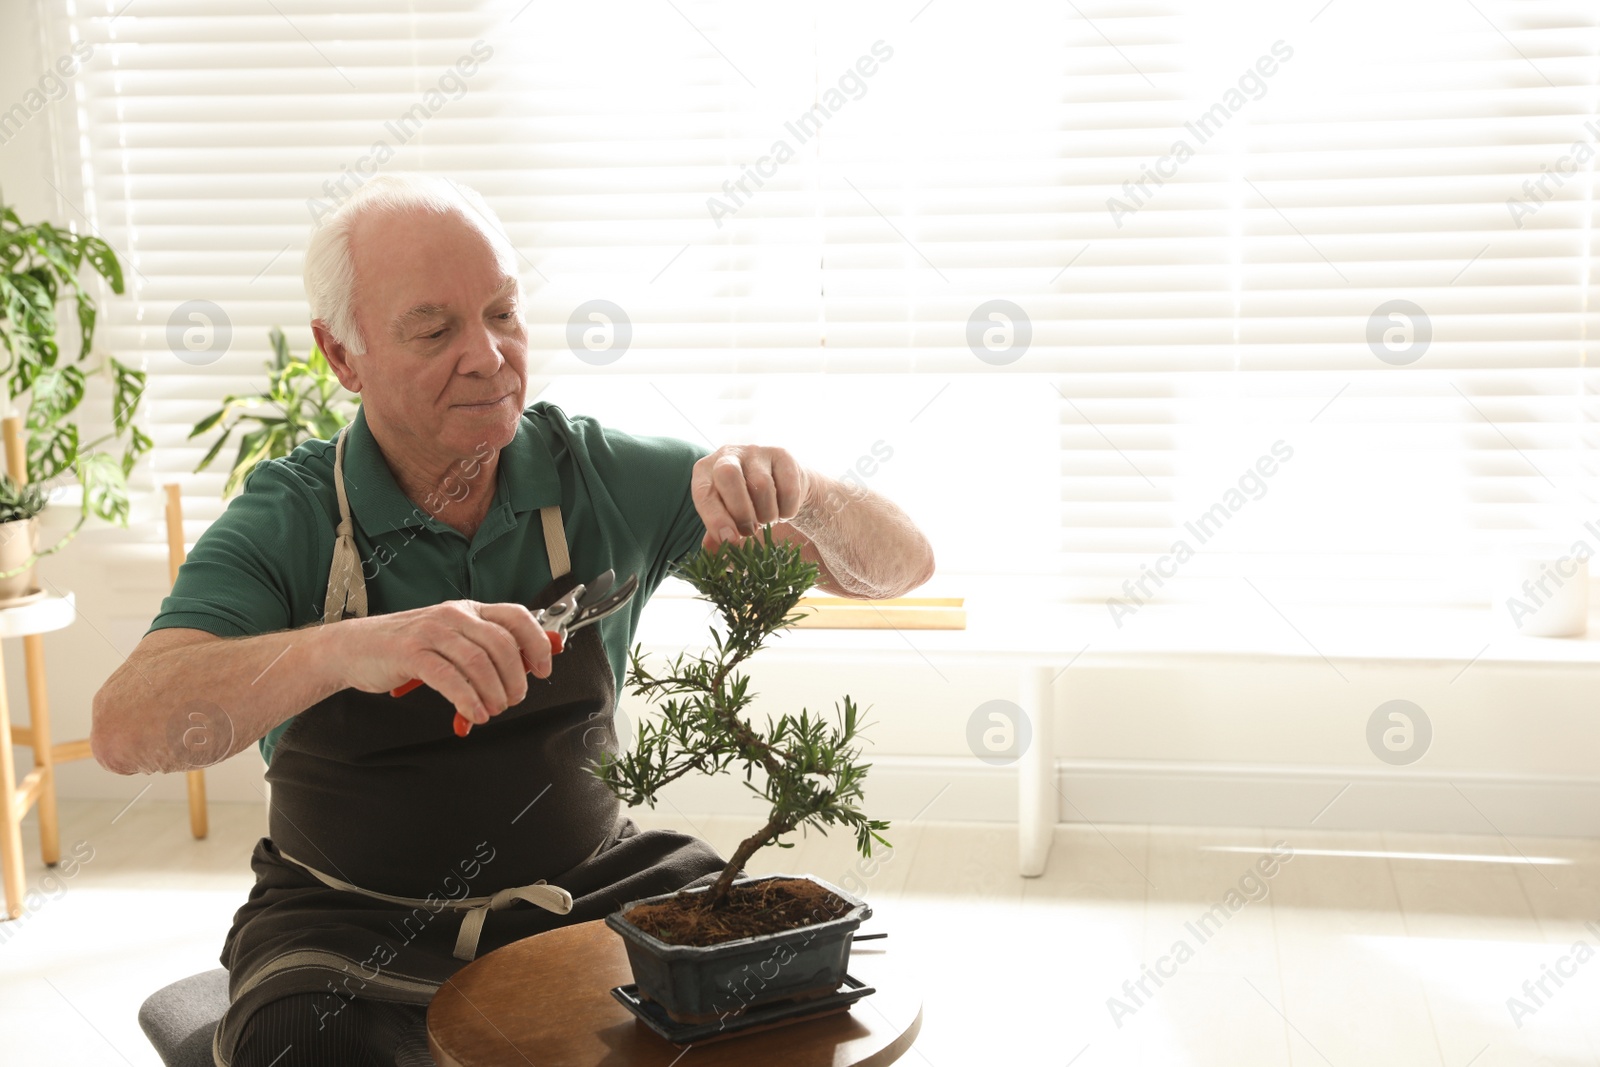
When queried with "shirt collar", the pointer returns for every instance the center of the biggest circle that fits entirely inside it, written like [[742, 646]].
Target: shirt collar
[[526, 477]]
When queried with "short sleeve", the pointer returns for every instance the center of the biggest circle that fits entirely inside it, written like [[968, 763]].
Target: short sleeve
[[252, 571], [649, 482]]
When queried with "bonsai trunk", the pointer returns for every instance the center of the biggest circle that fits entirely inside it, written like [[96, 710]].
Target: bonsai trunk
[[718, 893]]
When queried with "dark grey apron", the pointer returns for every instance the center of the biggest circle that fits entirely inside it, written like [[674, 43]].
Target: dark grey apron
[[398, 851]]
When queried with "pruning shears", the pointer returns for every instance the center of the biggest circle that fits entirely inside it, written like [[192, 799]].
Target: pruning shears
[[582, 605]]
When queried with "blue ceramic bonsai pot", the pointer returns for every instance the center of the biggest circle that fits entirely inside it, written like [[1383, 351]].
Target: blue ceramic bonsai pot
[[696, 984]]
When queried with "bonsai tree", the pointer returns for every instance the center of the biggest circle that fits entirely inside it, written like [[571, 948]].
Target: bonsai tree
[[812, 771], [39, 270], [308, 400]]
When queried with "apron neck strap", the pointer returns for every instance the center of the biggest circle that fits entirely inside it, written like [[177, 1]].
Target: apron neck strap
[[347, 590], [555, 541]]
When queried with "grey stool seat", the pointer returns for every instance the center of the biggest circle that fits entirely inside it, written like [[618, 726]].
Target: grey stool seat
[[181, 1019]]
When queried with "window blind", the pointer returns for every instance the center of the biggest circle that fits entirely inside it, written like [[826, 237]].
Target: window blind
[[1065, 280]]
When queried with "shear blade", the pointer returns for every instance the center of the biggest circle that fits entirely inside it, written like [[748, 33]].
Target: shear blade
[[592, 609], [598, 588]]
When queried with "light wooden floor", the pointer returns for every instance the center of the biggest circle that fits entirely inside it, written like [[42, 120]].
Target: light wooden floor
[[1361, 950]]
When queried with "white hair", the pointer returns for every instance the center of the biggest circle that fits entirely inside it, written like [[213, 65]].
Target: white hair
[[330, 272]]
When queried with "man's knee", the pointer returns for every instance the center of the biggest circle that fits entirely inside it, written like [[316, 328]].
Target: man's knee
[[314, 1029]]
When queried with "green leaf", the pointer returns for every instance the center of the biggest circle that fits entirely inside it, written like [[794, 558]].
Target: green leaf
[[104, 261], [38, 296], [48, 283], [215, 448], [58, 247], [86, 318], [56, 392], [127, 390], [253, 448], [105, 487], [40, 354], [207, 423], [280, 348], [52, 452], [328, 425], [138, 444]]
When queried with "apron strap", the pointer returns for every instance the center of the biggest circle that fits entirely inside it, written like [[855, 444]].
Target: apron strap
[[555, 541], [347, 590], [551, 898]]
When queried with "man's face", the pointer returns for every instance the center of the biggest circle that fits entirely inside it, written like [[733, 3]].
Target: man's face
[[446, 365]]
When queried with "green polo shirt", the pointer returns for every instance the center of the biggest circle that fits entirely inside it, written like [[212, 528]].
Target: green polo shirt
[[262, 566]]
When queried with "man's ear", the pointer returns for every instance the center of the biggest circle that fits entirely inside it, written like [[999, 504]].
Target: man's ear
[[338, 356]]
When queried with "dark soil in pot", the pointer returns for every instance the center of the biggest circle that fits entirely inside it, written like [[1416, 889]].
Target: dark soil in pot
[[752, 909]]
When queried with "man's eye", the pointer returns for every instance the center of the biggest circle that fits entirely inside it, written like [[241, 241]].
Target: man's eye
[[506, 316], [435, 335]]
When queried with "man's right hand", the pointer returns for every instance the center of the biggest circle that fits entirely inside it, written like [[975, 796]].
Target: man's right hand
[[476, 655]]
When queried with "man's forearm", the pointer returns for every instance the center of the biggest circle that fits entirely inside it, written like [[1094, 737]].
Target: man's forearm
[[869, 546], [190, 705]]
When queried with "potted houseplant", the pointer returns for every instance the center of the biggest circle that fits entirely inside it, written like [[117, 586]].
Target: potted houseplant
[[40, 269], [707, 953], [306, 401], [19, 537]]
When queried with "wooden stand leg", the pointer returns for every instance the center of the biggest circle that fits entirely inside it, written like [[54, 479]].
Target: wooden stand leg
[[11, 811], [1037, 801], [197, 804], [43, 753]]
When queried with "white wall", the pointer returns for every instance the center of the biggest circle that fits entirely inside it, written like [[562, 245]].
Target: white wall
[[24, 159]]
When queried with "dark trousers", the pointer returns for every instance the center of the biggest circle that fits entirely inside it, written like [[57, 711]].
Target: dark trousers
[[300, 1031]]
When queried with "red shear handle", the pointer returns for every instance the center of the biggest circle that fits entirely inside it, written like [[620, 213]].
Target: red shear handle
[[462, 723]]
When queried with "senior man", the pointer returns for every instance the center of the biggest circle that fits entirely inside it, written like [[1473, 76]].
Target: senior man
[[414, 546]]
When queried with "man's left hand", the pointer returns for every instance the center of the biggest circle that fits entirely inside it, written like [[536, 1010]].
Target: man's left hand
[[739, 488]]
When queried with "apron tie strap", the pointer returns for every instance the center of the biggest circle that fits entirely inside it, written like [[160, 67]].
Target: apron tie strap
[[347, 591], [549, 897]]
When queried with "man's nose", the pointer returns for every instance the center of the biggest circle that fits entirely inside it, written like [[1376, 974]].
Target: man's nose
[[481, 355]]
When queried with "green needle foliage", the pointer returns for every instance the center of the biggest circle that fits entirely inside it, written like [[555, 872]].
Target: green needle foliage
[[811, 767], [307, 402]]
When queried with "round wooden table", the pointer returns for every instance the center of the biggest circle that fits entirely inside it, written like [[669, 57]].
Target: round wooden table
[[547, 1001]]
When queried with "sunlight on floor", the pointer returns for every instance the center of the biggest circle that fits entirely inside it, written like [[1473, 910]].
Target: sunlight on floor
[[1159, 946]]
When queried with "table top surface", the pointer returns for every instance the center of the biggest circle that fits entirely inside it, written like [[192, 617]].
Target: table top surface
[[547, 1000]]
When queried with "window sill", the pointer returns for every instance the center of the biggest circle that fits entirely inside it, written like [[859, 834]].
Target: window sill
[[1085, 634]]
